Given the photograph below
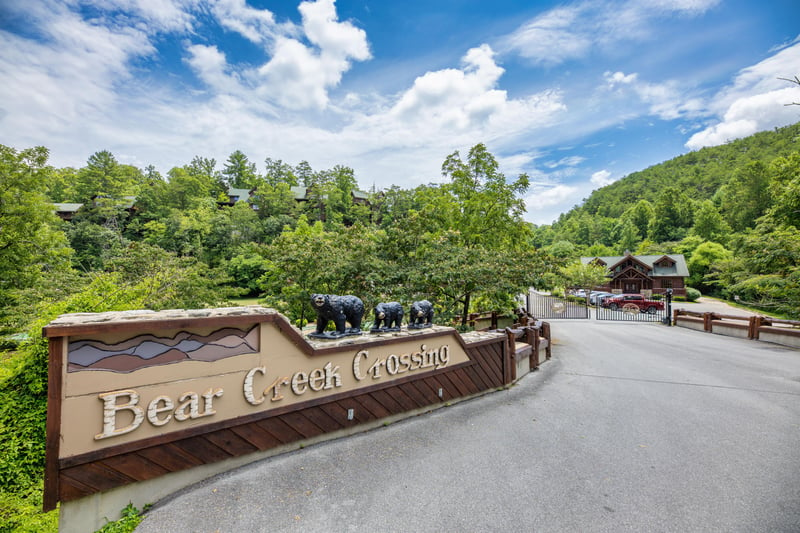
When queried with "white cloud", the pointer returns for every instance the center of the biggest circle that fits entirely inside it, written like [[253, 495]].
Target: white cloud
[[749, 115], [553, 37], [601, 178], [211, 66], [667, 100], [572, 31], [71, 73], [256, 25], [296, 76], [455, 97], [545, 202], [337, 39], [616, 78], [155, 15], [570, 161], [756, 101]]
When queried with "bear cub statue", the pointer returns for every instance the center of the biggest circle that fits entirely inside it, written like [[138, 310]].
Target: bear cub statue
[[390, 315], [339, 309], [421, 315]]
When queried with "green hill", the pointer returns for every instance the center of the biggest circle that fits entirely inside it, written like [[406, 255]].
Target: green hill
[[733, 210]]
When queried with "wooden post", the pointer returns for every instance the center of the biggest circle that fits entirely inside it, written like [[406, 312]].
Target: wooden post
[[532, 337], [510, 365], [546, 334], [55, 369], [758, 321]]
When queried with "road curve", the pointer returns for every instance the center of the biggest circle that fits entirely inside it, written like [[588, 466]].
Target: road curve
[[631, 427]]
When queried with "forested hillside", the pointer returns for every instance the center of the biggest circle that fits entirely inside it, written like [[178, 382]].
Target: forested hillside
[[733, 210]]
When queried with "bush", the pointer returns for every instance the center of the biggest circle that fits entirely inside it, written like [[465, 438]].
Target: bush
[[692, 294]]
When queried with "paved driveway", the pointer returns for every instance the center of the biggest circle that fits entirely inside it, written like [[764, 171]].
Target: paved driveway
[[630, 428], [704, 305]]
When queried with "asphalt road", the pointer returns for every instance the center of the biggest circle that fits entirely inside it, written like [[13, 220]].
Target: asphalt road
[[631, 427]]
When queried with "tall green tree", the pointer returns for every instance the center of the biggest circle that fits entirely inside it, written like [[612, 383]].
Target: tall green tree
[[672, 215], [279, 172], [709, 224], [583, 276], [785, 189], [746, 196], [239, 172], [104, 176], [703, 260], [31, 243], [483, 207]]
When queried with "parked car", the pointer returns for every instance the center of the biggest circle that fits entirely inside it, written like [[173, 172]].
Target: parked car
[[632, 302], [598, 296]]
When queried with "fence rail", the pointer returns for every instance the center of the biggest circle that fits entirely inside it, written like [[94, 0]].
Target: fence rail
[[779, 331]]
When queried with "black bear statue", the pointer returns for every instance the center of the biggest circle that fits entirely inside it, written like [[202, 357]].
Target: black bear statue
[[421, 315], [388, 317], [339, 309]]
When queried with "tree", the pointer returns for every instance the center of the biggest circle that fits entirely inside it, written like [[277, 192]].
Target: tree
[[483, 206], [93, 244], [299, 261], [785, 189], [702, 261], [455, 275], [562, 249], [709, 224], [204, 170], [104, 176], [584, 276], [30, 242], [239, 172], [672, 215], [640, 215], [629, 236], [279, 172], [746, 196], [187, 189], [61, 185]]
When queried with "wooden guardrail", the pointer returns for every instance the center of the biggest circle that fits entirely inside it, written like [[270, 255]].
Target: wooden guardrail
[[756, 327], [527, 342]]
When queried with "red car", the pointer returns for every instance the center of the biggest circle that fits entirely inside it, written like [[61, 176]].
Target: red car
[[633, 302]]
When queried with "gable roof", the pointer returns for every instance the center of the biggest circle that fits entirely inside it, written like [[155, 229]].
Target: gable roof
[[678, 268], [236, 195], [67, 207]]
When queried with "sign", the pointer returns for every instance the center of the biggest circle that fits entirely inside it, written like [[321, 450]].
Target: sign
[[121, 387]]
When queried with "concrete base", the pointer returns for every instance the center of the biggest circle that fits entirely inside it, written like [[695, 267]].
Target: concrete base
[[523, 360], [729, 329], [792, 341], [690, 322]]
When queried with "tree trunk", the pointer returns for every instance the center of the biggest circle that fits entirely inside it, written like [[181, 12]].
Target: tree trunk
[[465, 312]]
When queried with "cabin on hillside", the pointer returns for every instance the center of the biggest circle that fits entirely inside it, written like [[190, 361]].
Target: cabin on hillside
[[643, 274], [66, 211]]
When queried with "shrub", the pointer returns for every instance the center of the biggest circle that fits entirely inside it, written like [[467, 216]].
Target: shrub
[[692, 294]]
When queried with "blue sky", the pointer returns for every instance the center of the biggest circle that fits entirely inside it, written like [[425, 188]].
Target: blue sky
[[576, 94]]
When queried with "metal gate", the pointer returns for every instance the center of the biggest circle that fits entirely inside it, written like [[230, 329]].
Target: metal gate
[[632, 313], [548, 306]]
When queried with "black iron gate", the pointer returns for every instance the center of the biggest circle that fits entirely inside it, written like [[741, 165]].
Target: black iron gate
[[640, 311], [548, 306]]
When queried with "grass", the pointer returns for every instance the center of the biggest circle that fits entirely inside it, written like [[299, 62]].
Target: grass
[[245, 301]]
